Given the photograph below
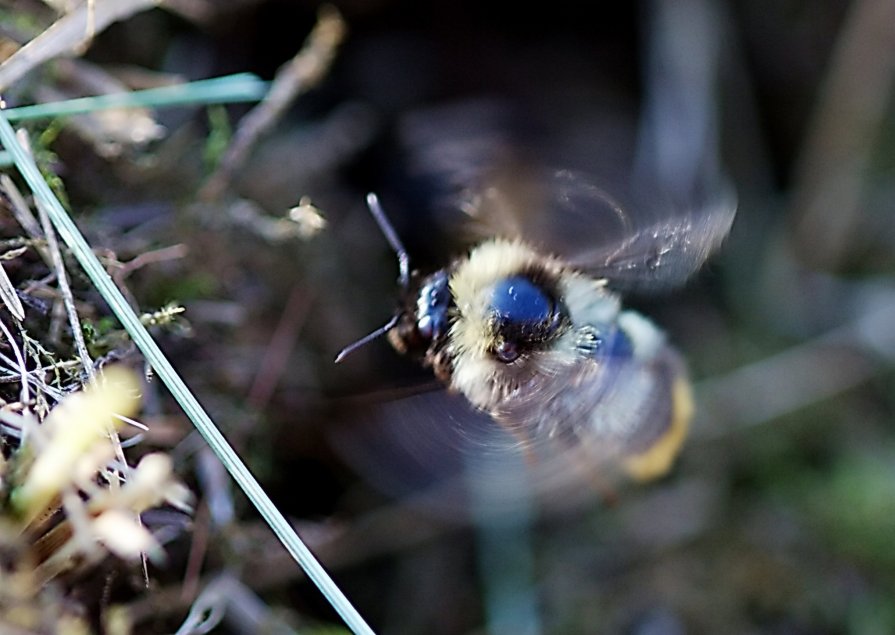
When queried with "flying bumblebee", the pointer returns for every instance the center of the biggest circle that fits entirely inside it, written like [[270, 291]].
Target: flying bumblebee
[[537, 339]]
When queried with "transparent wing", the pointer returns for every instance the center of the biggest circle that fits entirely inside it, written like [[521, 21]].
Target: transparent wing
[[434, 452], [638, 240], [438, 454], [639, 235]]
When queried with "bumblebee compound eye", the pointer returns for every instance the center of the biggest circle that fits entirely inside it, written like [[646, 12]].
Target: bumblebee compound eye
[[525, 314], [432, 306]]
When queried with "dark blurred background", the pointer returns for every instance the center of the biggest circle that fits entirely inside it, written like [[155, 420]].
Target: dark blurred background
[[779, 517]]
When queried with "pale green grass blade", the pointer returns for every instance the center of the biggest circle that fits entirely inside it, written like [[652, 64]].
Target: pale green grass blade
[[165, 371], [242, 87]]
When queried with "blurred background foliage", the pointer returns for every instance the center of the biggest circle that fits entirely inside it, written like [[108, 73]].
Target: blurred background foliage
[[779, 518]]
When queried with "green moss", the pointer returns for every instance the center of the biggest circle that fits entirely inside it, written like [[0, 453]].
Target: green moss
[[853, 507]]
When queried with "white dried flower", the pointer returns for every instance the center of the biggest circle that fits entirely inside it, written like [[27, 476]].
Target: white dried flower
[[82, 420], [308, 218], [151, 483], [123, 536]]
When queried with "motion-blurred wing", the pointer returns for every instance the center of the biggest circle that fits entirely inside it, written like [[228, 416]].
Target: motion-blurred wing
[[602, 412], [434, 451], [437, 453], [485, 183], [637, 240], [667, 242]]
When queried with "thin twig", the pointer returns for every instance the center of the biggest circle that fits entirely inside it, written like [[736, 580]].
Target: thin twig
[[295, 77], [67, 35], [121, 270], [24, 395], [9, 296], [68, 298], [24, 216], [196, 557], [36, 376], [852, 109], [280, 346], [163, 254]]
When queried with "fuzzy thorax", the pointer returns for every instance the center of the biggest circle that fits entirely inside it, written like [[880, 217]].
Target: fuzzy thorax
[[485, 380]]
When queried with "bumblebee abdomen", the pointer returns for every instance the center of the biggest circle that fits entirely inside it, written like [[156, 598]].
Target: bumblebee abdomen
[[652, 392], [659, 456]]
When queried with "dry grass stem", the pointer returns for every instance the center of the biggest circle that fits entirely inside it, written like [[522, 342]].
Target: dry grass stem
[[295, 77], [853, 109], [68, 35]]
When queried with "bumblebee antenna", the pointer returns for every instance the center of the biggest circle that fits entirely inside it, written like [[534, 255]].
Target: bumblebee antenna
[[392, 237], [382, 330], [403, 273]]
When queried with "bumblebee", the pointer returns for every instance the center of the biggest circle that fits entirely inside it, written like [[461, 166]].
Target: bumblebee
[[540, 343]]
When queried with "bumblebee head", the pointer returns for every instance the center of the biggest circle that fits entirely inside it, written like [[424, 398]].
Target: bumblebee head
[[508, 311], [523, 315]]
